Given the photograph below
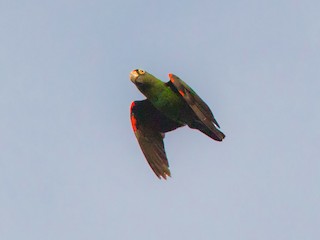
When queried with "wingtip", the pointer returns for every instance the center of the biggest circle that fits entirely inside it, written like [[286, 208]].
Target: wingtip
[[163, 174], [220, 136]]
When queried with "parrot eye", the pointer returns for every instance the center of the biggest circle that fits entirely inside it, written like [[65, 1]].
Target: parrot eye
[[141, 71]]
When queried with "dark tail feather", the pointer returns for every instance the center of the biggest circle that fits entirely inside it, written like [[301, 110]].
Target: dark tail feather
[[212, 132]]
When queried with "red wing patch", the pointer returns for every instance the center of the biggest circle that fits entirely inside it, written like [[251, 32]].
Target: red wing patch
[[132, 105], [170, 77], [134, 123], [132, 118], [181, 93]]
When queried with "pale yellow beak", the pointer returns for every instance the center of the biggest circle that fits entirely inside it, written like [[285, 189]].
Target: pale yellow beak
[[133, 75]]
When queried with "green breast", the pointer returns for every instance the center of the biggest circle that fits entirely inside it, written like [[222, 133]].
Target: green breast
[[169, 103]]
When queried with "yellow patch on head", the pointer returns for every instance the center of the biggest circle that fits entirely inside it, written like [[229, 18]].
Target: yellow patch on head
[[141, 72]]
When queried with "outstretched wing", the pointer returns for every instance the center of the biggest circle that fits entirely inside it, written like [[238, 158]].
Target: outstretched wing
[[149, 126], [207, 123]]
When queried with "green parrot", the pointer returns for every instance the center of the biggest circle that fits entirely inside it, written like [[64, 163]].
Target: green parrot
[[169, 105]]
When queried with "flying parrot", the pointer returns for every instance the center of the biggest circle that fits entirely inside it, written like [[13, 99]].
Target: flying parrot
[[169, 105]]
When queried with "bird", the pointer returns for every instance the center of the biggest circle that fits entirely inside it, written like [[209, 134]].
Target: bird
[[168, 106]]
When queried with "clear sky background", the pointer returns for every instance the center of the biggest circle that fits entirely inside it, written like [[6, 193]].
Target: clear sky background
[[70, 166]]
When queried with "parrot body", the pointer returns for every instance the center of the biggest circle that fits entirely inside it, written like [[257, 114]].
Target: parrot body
[[168, 106]]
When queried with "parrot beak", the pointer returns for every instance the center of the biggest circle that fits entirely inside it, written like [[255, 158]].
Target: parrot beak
[[134, 75]]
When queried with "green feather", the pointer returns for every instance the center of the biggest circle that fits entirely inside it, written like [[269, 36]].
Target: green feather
[[160, 95]]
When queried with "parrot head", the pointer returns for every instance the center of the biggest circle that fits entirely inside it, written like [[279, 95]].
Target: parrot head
[[135, 74], [142, 79]]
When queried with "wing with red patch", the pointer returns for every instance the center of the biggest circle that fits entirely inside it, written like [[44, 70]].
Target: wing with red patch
[[149, 126], [205, 120]]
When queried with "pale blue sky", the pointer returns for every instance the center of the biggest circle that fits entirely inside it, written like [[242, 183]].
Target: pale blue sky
[[70, 166]]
